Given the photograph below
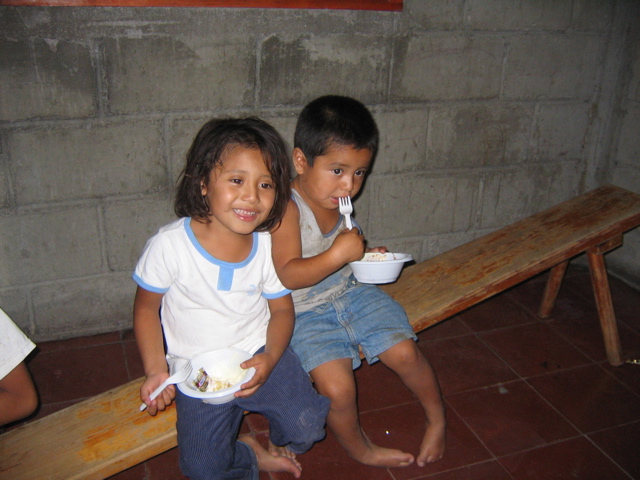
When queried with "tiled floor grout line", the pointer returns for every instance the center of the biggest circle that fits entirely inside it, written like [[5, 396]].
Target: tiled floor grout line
[[612, 460], [473, 432]]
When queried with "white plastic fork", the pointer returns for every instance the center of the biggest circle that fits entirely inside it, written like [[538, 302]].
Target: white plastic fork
[[180, 376], [346, 209]]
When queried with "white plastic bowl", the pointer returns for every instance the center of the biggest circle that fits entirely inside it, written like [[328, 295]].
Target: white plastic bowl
[[379, 267], [224, 363]]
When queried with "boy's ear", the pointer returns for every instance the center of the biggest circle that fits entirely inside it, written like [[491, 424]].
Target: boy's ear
[[299, 161]]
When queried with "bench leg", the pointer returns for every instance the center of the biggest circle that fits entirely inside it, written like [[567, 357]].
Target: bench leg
[[551, 289], [608, 323]]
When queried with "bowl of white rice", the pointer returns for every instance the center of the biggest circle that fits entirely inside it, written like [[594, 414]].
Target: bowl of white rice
[[379, 267], [217, 375]]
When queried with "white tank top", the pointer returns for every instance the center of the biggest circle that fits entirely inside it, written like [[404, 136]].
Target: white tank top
[[315, 242]]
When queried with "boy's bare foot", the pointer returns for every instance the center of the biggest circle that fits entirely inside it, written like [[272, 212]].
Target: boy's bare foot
[[433, 444], [383, 457], [267, 462]]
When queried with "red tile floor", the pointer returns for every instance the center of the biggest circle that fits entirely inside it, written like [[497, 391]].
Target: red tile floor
[[525, 398]]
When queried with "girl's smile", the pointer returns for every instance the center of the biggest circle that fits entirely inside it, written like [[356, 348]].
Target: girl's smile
[[245, 215]]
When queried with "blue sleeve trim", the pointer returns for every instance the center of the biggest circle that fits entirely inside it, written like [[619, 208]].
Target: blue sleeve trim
[[148, 287], [272, 296]]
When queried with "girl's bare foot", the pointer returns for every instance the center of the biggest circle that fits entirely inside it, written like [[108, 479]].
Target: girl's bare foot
[[282, 452], [383, 457], [267, 462], [433, 444]]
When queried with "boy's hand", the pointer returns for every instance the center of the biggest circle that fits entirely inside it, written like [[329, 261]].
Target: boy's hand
[[264, 365], [348, 246], [163, 400]]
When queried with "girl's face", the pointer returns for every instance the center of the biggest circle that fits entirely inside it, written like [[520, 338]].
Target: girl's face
[[240, 191], [337, 173]]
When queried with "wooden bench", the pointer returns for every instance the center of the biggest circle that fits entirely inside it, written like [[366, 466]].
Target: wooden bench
[[440, 287], [93, 439], [106, 434]]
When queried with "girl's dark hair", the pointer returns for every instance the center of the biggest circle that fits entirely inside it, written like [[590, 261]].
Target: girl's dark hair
[[214, 140], [335, 120]]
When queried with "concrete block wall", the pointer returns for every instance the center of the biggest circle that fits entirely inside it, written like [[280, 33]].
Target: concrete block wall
[[489, 111]]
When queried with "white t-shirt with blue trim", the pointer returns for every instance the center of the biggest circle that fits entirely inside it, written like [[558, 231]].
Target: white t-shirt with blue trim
[[208, 304]]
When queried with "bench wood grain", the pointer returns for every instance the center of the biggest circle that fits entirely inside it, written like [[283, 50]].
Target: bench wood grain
[[93, 439], [106, 434]]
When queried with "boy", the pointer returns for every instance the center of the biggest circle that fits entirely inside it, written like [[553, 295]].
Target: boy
[[335, 141]]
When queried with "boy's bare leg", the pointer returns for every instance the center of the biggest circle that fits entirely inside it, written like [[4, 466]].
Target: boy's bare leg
[[272, 463], [406, 359], [336, 381]]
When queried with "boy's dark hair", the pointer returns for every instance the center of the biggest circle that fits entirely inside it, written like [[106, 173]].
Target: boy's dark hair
[[215, 139], [335, 120]]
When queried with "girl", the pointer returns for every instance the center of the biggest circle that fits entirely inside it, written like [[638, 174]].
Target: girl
[[206, 281]]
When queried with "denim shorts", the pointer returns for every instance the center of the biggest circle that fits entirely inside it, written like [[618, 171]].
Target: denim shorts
[[360, 315]]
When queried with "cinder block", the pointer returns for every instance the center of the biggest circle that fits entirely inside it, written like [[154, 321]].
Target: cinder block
[[566, 180], [5, 191], [476, 135], [627, 177], [434, 245], [559, 131], [65, 163], [553, 66], [629, 140], [199, 72], [419, 204], [50, 245], [84, 306], [509, 196], [634, 81], [592, 15], [285, 125], [43, 78], [181, 135], [447, 67], [510, 15], [299, 70], [432, 14], [403, 137], [129, 224]]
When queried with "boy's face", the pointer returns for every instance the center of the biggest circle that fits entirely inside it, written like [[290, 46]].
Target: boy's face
[[240, 191], [338, 173]]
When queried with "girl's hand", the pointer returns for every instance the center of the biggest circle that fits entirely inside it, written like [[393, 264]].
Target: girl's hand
[[377, 250], [163, 400], [264, 365], [348, 246]]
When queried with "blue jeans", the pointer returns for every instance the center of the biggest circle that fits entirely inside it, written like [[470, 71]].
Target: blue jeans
[[207, 433]]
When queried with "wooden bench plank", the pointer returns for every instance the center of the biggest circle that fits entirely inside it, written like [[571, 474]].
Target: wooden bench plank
[[440, 287], [93, 439], [106, 434]]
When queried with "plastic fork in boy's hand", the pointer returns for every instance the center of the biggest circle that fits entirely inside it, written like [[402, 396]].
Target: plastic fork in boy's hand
[[346, 209], [179, 376]]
